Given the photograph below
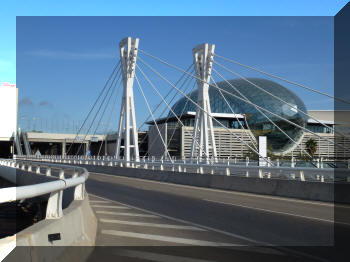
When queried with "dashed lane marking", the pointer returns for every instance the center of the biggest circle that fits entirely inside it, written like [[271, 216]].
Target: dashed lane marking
[[177, 240], [252, 241], [115, 207], [99, 201], [149, 224], [126, 214]]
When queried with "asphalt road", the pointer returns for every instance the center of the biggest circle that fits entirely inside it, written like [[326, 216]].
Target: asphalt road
[[230, 217]]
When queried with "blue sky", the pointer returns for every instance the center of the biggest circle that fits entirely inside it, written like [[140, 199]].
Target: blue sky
[[64, 61]]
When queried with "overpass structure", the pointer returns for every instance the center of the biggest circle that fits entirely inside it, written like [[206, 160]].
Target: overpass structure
[[128, 207]]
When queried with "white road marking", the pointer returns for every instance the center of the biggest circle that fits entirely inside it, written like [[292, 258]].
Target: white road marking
[[126, 214], [191, 223], [116, 207], [98, 201], [157, 257], [255, 242], [150, 224], [177, 240], [272, 211], [7, 244], [310, 202]]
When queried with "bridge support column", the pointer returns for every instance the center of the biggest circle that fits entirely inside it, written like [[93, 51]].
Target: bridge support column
[[126, 130], [203, 133], [64, 148]]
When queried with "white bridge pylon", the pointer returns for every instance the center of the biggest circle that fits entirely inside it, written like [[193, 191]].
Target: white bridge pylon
[[203, 56], [127, 129]]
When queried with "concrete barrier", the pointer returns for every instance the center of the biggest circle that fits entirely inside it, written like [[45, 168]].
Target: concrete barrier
[[77, 227], [277, 187]]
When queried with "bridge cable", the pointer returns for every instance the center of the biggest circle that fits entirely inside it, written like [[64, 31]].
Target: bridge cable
[[283, 79], [286, 120], [168, 116], [149, 109], [292, 123], [106, 105], [113, 85], [165, 109], [210, 115], [278, 98], [110, 116], [155, 109], [101, 92], [272, 122], [182, 111], [171, 110], [245, 130], [101, 104]]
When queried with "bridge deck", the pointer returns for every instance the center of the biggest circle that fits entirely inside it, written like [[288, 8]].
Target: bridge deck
[[123, 225], [134, 234], [141, 218]]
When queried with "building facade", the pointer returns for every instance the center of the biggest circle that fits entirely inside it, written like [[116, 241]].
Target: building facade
[[8, 117], [238, 131]]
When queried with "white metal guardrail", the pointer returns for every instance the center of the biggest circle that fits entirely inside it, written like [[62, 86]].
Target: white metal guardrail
[[78, 176], [229, 169]]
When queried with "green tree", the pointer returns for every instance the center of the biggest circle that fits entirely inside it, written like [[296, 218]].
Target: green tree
[[311, 146]]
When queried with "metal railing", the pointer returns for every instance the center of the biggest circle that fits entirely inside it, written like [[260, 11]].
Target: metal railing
[[221, 168], [59, 172]]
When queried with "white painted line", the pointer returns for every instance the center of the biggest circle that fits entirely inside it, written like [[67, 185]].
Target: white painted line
[[116, 207], [193, 224], [177, 240], [7, 244], [150, 224], [98, 201], [272, 211], [310, 202], [253, 241], [126, 214], [157, 257]]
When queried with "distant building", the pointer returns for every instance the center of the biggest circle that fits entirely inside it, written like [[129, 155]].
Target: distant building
[[8, 117], [229, 143], [230, 129]]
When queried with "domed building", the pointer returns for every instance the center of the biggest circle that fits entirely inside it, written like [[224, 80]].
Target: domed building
[[257, 119], [243, 121]]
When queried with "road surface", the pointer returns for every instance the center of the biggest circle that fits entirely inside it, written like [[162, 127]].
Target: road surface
[[141, 213]]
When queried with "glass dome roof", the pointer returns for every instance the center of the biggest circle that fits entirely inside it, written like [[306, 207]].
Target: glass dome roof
[[277, 141]]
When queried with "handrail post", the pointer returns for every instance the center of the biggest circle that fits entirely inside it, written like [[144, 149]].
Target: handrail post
[[79, 189], [54, 205], [247, 164], [48, 171]]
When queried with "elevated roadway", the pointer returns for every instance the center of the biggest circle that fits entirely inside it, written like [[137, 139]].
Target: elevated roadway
[[137, 212]]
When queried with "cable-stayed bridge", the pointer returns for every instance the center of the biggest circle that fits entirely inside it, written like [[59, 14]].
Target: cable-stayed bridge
[[159, 195], [130, 73]]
